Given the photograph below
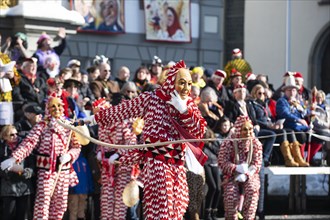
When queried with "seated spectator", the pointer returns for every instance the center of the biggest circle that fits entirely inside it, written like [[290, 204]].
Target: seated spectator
[[50, 69], [72, 86], [197, 76], [195, 94], [304, 94], [86, 93], [156, 69], [234, 80], [93, 73], [17, 184], [321, 125], [288, 108], [216, 82], [209, 107], [123, 76], [32, 115], [141, 80], [103, 86]]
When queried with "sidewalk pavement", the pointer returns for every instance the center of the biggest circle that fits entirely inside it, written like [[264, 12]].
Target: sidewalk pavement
[[296, 217]]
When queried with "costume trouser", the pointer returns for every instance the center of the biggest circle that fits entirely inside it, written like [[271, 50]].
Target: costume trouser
[[77, 206], [251, 195], [165, 190], [112, 205], [196, 188], [47, 207], [14, 207], [212, 176]]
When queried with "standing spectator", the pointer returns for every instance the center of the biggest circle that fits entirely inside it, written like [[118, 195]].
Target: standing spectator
[[31, 88], [32, 115], [123, 76], [103, 86], [8, 77], [44, 48], [16, 183], [85, 91], [240, 162], [239, 63], [79, 193], [16, 47], [55, 147]]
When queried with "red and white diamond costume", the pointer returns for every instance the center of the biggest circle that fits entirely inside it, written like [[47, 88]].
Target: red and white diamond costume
[[228, 160], [165, 185], [114, 178], [49, 140]]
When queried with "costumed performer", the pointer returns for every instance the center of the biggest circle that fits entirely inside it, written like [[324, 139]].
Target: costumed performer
[[240, 162], [169, 114], [54, 148]]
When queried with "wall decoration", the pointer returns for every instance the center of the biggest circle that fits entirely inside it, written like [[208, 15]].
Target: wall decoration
[[102, 16], [168, 20]]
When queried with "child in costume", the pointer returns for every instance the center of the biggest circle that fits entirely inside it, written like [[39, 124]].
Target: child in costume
[[240, 162]]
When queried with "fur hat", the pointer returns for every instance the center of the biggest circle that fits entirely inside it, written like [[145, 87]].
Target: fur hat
[[250, 76], [42, 37], [239, 87], [290, 82]]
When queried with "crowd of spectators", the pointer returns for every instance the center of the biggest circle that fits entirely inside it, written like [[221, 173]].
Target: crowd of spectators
[[282, 116]]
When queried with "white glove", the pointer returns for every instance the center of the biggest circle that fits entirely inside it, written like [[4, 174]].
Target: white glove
[[252, 170], [17, 168], [99, 156], [113, 157], [7, 164], [65, 158], [27, 173], [178, 103], [241, 178], [242, 168]]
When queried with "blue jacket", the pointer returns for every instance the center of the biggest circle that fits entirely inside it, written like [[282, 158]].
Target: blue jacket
[[290, 114], [85, 185]]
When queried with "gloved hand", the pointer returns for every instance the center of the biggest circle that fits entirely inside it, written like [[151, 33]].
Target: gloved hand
[[17, 168], [8, 164], [65, 158], [99, 156], [178, 103], [241, 178], [252, 170], [113, 158], [242, 168], [27, 173]]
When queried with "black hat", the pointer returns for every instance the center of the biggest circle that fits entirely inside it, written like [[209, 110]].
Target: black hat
[[72, 81], [34, 109]]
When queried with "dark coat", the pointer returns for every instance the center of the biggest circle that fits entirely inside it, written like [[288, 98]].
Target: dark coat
[[14, 184]]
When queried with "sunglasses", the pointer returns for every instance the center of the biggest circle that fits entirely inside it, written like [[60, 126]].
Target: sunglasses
[[13, 134], [129, 91], [261, 93]]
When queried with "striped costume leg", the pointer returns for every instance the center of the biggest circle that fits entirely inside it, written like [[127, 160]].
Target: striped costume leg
[[250, 205], [42, 200], [59, 200], [165, 191], [106, 197], [231, 199], [122, 179]]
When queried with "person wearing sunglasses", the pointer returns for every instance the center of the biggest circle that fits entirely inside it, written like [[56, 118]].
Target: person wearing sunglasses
[[16, 184]]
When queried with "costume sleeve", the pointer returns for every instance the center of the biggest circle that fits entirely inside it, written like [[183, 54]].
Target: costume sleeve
[[125, 110], [193, 121], [225, 158], [256, 157], [29, 143], [75, 147]]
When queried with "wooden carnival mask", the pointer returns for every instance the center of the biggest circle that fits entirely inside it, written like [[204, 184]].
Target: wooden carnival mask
[[183, 83], [55, 107], [247, 130]]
